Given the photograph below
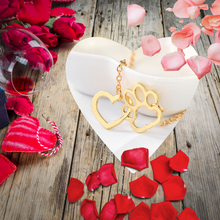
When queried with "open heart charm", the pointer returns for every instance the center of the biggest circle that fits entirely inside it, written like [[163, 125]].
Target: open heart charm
[[129, 107]]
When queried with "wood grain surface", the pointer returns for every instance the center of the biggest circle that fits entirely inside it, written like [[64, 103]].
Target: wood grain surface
[[38, 188]]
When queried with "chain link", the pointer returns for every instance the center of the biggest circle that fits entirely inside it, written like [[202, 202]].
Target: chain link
[[171, 120]]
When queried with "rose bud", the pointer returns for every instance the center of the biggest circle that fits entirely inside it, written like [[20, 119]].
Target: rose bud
[[8, 8]]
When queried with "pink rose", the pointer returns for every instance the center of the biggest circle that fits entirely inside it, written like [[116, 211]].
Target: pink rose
[[8, 8], [68, 29], [39, 58], [16, 39], [50, 40]]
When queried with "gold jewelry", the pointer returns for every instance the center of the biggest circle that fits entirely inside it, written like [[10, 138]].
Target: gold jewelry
[[129, 107]]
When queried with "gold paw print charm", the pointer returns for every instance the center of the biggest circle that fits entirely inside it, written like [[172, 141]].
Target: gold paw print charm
[[129, 109]]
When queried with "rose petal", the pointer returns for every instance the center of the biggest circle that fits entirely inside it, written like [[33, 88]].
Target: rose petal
[[62, 11], [54, 55], [197, 2], [141, 212], [108, 212], [188, 214], [93, 181], [107, 174], [216, 7], [150, 45], [88, 210], [136, 158], [75, 190], [204, 7], [180, 9], [217, 37], [200, 65], [124, 204], [6, 168], [195, 30], [174, 189], [179, 162], [135, 14], [205, 22], [161, 169], [173, 61], [182, 39], [163, 211], [169, 9], [193, 11], [172, 29], [181, 21], [207, 31], [181, 51], [214, 53], [21, 105], [143, 187]]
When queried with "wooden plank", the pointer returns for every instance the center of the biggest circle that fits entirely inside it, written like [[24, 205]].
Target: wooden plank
[[198, 136], [91, 153], [38, 190]]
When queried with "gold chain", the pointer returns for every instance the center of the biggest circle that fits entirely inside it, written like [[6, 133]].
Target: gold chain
[[119, 78], [171, 120]]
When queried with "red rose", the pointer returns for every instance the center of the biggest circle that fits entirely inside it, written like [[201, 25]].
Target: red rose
[[39, 58], [43, 33], [8, 8], [68, 29], [54, 55], [16, 39]]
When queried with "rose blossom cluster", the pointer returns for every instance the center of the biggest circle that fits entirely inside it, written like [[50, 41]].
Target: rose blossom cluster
[[37, 17], [182, 39]]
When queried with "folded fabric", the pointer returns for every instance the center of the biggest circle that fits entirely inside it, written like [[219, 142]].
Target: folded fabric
[[26, 135]]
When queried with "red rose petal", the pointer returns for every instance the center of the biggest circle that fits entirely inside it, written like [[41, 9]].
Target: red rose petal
[[188, 214], [88, 210], [161, 169], [107, 174], [54, 55], [163, 211], [109, 211], [174, 189], [92, 181], [141, 212], [6, 168], [62, 11], [179, 162], [136, 158], [75, 190], [124, 204], [143, 187]]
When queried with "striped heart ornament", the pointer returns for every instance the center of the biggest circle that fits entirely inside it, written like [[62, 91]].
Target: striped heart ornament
[[26, 135]]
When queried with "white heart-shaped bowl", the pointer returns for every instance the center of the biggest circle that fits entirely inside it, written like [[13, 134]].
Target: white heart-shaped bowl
[[91, 67]]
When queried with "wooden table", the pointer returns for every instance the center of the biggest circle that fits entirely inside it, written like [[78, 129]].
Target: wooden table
[[38, 188]]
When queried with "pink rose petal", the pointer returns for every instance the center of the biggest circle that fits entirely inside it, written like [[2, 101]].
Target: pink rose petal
[[173, 61], [207, 31], [193, 11], [217, 37], [216, 7], [180, 9], [214, 53], [88, 210], [169, 9], [172, 29], [200, 65], [135, 14], [181, 21], [150, 45], [197, 2], [195, 30]]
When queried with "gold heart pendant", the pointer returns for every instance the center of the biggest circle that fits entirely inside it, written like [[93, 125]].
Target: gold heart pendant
[[97, 114]]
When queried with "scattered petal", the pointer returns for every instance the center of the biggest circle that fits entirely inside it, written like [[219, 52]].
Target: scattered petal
[[62, 11], [75, 190], [216, 7], [204, 7], [200, 66], [207, 31], [169, 9], [54, 55], [88, 210], [6, 168], [180, 9], [193, 11], [92, 181], [141, 212], [179, 162], [150, 45], [214, 53], [135, 15], [136, 158], [172, 29], [124, 204], [108, 212], [161, 169], [143, 187], [195, 31], [174, 189], [173, 61], [163, 211], [217, 37], [107, 174], [21, 105], [211, 22], [181, 21], [181, 51], [188, 214]]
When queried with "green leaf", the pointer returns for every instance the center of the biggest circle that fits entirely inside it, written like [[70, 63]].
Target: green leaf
[[49, 24], [14, 21], [26, 25]]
